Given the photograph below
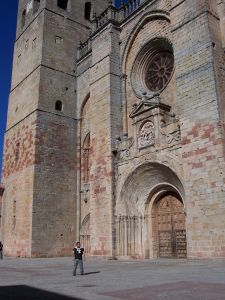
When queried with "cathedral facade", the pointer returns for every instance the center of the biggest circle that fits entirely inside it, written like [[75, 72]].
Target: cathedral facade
[[116, 130]]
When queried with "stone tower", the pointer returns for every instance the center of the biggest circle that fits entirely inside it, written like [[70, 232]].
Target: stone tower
[[39, 171]]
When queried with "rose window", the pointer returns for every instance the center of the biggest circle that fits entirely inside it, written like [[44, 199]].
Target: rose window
[[153, 68], [159, 71]]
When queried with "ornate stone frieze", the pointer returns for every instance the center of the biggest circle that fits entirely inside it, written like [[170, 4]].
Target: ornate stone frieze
[[154, 124]]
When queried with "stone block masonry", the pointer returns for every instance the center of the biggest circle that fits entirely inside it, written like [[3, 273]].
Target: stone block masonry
[[123, 148]]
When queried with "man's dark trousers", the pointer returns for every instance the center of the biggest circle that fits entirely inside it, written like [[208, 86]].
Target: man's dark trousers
[[80, 263]]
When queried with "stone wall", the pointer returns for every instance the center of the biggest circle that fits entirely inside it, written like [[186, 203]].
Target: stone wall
[[105, 105], [18, 173], [105, 158], [201, 151], [40, 158], [201, 130], [54, 202]]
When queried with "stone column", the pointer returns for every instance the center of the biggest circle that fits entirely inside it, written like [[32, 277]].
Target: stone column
[[124, 105]]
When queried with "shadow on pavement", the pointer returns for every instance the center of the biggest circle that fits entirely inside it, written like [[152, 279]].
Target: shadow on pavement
[[183, 290], [24, 292], [89, 273]]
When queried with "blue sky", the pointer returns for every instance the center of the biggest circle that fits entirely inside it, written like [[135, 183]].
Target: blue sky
[[7, 38]]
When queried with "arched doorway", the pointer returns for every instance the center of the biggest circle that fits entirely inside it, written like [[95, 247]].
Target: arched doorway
[[169, 226]]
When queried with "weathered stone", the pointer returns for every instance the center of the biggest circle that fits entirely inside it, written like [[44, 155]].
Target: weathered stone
[[136, 145]]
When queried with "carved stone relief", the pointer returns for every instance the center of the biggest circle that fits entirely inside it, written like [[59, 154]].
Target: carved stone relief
[[146, 135], [85, 192], [123, 148], [171, 132]]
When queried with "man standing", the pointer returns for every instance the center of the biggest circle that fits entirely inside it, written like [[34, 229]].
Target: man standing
[[1, 250], [78, 260]]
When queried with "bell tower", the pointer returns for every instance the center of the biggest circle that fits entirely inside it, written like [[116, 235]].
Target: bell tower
[[39, 165]]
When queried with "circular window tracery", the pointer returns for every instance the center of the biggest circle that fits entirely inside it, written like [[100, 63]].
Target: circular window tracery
[[159, 71], [153, 67]]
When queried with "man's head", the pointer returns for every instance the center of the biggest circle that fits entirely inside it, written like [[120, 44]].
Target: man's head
[[78, 244]]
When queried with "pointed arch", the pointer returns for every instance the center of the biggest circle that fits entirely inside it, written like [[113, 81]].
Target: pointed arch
[[86, 141], [153, 15], [86, 98]]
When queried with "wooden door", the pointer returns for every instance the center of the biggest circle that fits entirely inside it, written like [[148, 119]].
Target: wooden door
[[171, 227]]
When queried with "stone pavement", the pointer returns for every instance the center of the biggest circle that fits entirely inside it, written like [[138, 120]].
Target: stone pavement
[[51, 279]]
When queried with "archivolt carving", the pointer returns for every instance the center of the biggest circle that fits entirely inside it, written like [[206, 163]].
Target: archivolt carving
[[137, 193], [137, 186]]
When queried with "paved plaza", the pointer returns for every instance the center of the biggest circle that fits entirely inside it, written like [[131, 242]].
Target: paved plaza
[[51, 279]]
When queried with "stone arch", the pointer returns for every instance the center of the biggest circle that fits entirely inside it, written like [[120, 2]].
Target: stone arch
[[165, 226], [85, 233], [133, 46], [143, 186], [83, 103], [154, 15], [86, 141], [147, 177], [160, 189]]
